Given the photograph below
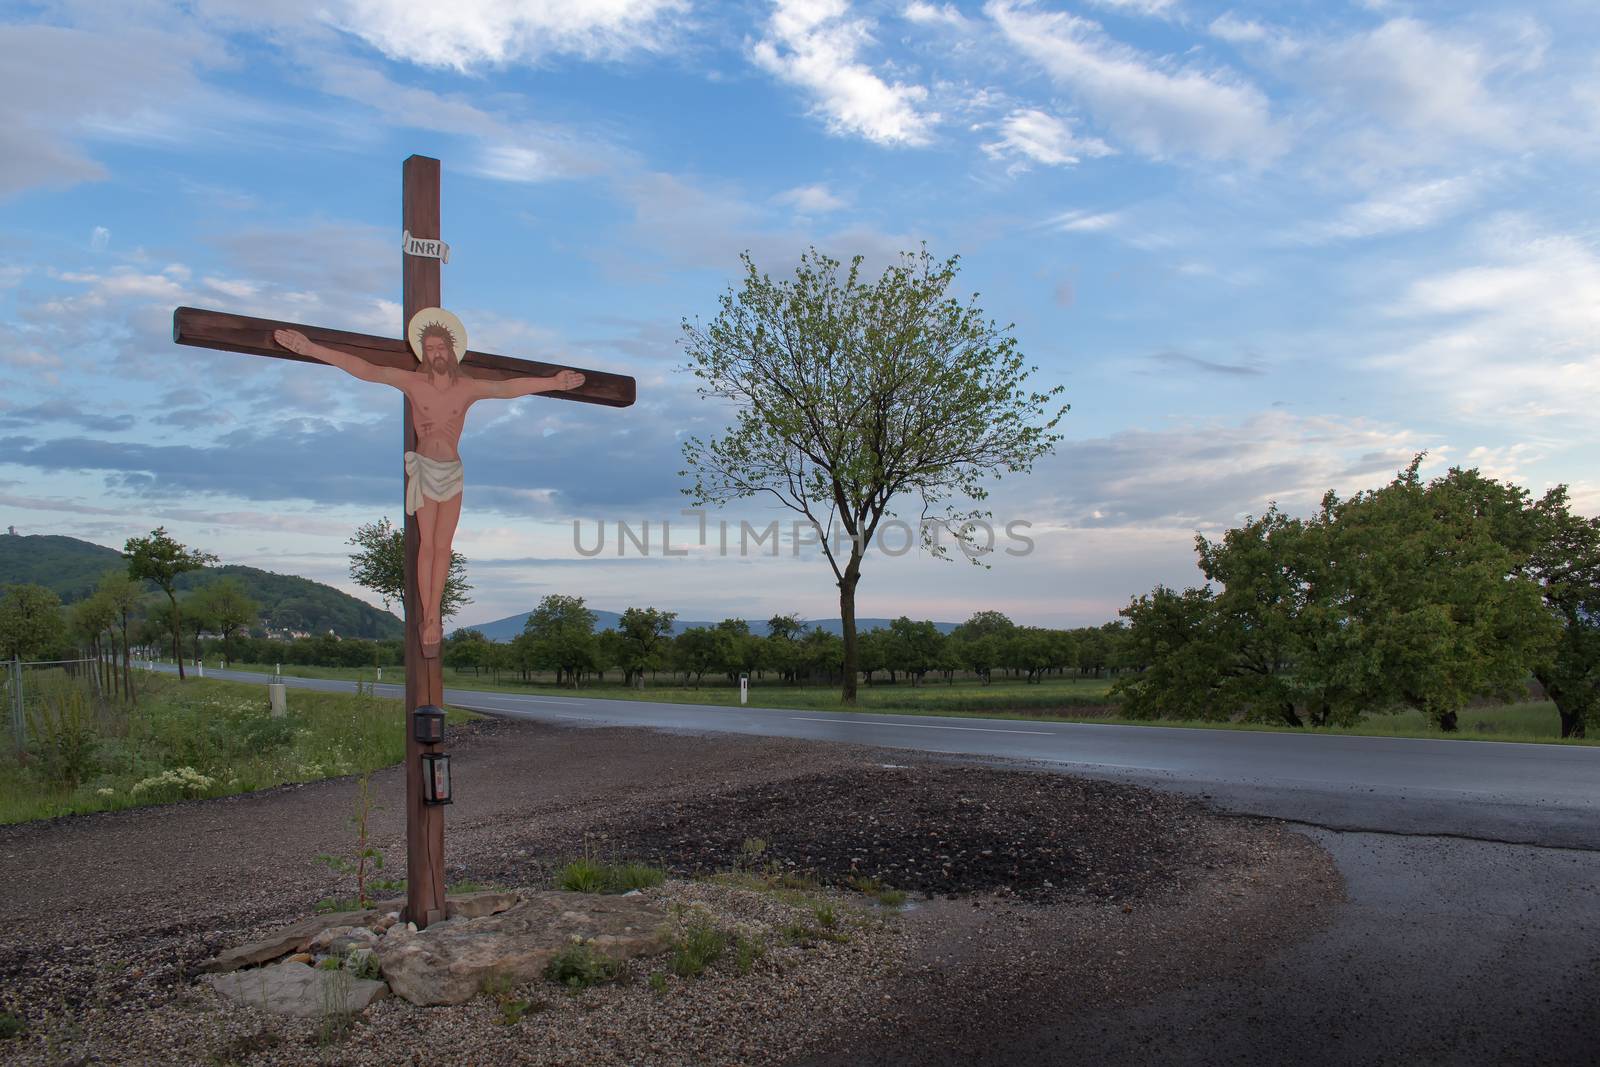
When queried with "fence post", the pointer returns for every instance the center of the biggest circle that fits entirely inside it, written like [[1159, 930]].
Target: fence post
[[19, 725]]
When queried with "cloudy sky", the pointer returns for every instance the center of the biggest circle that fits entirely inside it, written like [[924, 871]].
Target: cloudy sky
[[1267, 254]]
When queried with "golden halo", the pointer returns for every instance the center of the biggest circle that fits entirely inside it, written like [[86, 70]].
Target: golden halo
[[440, 317]]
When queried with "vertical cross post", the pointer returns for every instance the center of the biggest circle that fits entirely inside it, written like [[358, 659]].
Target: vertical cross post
[[425, 900]]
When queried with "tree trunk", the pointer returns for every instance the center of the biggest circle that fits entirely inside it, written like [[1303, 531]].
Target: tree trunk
[[1290, 716], [177, 635], [847, 627]]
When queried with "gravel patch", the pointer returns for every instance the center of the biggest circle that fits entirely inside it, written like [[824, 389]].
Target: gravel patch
[[109, 914], [934, 830]]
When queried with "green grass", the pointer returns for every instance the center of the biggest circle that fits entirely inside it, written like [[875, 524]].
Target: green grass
[[591, 876], [1053, 700], [700, 945], [200, 738], [581, 966]]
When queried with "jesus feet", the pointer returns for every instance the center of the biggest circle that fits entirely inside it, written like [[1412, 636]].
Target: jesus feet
[[432, 634]]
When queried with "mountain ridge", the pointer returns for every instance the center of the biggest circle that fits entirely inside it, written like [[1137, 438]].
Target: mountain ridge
[[71, 568]]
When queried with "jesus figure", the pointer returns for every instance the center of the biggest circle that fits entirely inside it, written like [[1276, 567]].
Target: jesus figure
[[440, 395]]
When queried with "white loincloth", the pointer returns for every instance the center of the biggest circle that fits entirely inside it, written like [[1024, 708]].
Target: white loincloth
[[433, 479]]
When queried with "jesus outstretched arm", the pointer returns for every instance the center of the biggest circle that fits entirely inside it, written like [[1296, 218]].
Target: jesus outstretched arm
[[301, 345], [510, 388]]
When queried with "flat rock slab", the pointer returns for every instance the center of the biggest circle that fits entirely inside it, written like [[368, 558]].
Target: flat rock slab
[[295, 989], [293, 938], [450, 961]]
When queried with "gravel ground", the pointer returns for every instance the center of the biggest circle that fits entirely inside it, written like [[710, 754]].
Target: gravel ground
[[1067, 892]]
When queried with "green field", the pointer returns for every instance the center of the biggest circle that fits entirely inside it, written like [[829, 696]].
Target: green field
[[1053, 700], [201, 738]]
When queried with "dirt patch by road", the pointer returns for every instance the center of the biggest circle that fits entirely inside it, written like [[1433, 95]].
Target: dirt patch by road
[[107, 915]]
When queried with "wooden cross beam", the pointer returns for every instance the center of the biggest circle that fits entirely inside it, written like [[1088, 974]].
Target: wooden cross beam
[[241, 333], [441, 398]]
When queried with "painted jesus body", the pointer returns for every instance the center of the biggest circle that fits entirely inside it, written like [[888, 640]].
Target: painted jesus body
[[440, 395]]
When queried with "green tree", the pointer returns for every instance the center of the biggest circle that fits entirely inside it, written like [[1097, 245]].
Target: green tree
[[851, 394], [646, 635], [915, 647], [694, 652], [228, 610], [92, 620], [30, 621], [379, 564], [1566, 564], [466, 648], [126, 597], [161, 559], [560, 637], [1172, 638]]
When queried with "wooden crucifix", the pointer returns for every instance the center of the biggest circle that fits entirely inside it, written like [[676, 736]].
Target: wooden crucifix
[[440, 379]]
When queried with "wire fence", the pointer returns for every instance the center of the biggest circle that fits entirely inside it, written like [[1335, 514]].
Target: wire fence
[[25, 680]]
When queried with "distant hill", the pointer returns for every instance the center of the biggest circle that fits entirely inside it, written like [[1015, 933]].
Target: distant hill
[[72, 568], [511, 626]]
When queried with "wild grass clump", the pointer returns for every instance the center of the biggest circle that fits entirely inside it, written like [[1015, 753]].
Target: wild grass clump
[[580, 965], [589, 875], [182, 741], [698, 947]]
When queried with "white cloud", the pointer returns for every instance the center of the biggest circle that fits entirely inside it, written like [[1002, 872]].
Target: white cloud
[[99, 237], [814, 45], [1039, 137], [815, 199], [1411, 206], [927, 14], [1418, 78], [1158, 112], [1083, 221], [1160, 8], [1515, 337], [471, 33]]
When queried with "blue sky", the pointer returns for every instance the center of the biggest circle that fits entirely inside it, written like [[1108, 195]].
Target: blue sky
[[1268, 250]]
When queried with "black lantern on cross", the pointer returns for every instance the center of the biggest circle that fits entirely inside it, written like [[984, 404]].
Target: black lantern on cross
[[427, 724]]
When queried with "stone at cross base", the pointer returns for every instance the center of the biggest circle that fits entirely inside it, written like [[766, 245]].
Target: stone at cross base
[[488, 936]]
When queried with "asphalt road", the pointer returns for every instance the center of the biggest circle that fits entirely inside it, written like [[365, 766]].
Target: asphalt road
[[1472, 929], [1533, 794]]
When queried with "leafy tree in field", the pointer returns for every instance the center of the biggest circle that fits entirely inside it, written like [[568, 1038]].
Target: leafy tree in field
[[126, 596], [738, 650], [1566, 564], [30, 622], [160, 559], [646, 634], [1430, 577], [983, 624], [92, 620], [980, 655], [694, 652], [850, 394], [466, 648], [788, 627], [228, 610], [610, 650], [379, 564], [872, 654], [560, 637], [1173, 637], [822, 653], [198, 619], [916, 647]]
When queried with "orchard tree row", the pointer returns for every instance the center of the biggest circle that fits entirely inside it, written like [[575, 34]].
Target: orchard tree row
[[559, 638]]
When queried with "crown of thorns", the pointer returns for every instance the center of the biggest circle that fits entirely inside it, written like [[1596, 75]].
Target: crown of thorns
[[437, 329]]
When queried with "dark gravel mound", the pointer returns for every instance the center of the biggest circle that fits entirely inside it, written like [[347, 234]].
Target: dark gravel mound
[[932, 830]]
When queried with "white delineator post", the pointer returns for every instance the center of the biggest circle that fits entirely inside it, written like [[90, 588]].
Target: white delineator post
[[744, 689]]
